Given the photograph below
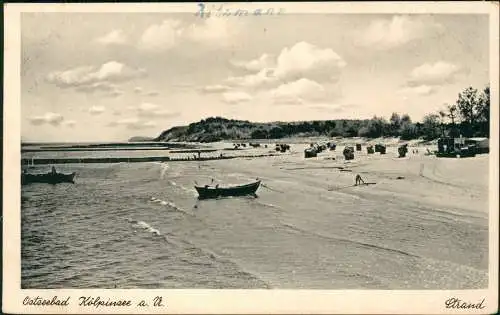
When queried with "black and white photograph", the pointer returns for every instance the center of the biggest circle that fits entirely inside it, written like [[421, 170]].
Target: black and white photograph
[[254, 147]]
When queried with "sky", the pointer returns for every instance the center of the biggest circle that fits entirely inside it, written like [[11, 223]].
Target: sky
[[111, 76]]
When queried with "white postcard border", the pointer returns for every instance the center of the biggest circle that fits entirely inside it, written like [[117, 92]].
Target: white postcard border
[[234, 301]]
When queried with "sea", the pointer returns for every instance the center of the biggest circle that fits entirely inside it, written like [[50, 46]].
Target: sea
[[140, 225]]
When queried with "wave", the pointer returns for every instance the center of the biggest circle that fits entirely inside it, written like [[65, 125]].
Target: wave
[[190, 190], [144, 226], [170, 204], [236, 175], [269, 205], [198, 252], [358, 243], [164, 169]]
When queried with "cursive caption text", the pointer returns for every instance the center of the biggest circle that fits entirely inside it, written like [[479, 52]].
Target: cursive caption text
[[459, 304], [205, 11], [38, 301], [93, 301]]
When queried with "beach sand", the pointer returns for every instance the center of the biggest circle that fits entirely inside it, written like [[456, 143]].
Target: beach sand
[[422, 224]]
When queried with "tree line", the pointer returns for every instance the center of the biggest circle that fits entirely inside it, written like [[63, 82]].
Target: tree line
[[468, 116]]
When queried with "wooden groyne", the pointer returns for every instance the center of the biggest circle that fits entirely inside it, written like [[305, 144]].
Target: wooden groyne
[[194, 151], [114, 145], [54, 149], [118, 149], [44, 161]]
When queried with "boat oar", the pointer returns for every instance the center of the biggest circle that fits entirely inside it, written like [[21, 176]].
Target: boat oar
[[264, 185]]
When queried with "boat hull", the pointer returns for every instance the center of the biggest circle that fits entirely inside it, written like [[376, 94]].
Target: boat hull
[[47, 178], [213, 192]]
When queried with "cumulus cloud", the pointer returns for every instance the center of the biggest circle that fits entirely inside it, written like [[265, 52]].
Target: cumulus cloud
[[114, 37], [97, 110], [437, 73], [211, 31], [298, 91], [218, 88], [89, 76], [263, 62], [170, 32], [304, 60], [161, 37], [236, 97], [262, 78], [54, 119], [401, 29]]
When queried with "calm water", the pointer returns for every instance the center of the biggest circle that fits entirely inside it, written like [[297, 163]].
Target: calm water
[[141, 226]]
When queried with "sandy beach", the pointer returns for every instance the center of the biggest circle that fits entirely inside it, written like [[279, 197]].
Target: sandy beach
[[422, 223], [437, 209]]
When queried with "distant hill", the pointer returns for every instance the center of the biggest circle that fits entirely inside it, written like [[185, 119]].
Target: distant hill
[[463, 118], [140, 139], [217, 128], [433, 125]]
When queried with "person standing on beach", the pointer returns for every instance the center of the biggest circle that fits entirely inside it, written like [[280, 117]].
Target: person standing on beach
[[359, 180]]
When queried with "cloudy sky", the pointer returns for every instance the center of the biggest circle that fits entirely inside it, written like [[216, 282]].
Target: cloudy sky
[[110, 76]]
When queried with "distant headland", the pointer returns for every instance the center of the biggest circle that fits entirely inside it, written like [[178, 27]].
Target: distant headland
[[140, 139]]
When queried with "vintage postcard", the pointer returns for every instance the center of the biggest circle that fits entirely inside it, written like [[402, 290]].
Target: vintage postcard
[[251, 158]]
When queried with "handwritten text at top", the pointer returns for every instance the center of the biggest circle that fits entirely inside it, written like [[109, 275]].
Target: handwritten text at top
[[205, 11]]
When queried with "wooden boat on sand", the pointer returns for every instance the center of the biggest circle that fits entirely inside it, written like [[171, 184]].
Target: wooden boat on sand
[[207, 191]]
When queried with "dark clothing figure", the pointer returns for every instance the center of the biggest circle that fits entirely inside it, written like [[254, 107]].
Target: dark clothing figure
[[53, 170], [359, 180]]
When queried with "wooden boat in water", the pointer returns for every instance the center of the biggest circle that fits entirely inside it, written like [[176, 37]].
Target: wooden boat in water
[[207, 191], [47, 178]]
